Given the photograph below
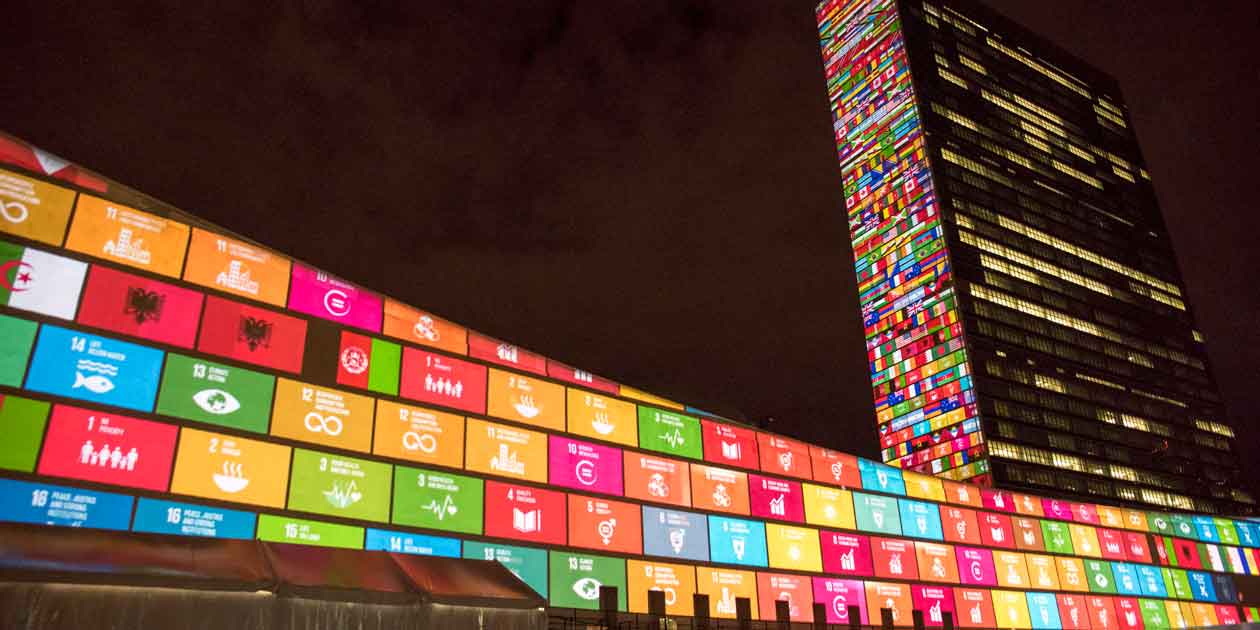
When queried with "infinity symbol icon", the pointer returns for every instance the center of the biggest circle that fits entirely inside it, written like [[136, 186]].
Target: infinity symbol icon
[[413, 441], [7, 209], [331, 425]]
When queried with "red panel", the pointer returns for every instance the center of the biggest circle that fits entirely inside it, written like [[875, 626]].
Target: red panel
[[108, 448], [729, 445], [439, 379], [141, 307], [253, 335], [524, 513]]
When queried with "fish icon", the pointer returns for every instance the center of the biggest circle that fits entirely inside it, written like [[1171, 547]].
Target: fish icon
[[95, 383]]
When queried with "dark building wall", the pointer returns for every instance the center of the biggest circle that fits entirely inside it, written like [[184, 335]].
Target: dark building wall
[[1091, 378]]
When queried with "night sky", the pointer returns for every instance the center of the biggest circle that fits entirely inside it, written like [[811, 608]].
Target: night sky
[[647, 190]]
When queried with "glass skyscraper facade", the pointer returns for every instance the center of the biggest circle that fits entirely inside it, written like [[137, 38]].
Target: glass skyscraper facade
[[1025, 319]]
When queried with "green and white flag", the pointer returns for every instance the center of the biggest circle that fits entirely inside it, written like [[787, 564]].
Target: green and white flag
[[37, 281]]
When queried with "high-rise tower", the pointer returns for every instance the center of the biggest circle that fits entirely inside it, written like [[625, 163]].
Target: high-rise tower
[[1025, 318]]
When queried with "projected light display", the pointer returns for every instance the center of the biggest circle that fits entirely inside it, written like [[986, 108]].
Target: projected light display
[[134, 397], [919, 368]]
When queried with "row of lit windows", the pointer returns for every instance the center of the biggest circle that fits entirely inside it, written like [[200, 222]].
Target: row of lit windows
[[1049, 119], [1070, 345], [1118, 443], [1021, 258], [1077, 173], [963, 220], [952, 78], [1085, 254], [1109, 416], [1035, 303], [1110, 116], [1214, 427], [989, 229], [1033, 455], [1032, 278], [952, 18], [1025, 197], [1172, 401], [1070, 83], [1056, 385]]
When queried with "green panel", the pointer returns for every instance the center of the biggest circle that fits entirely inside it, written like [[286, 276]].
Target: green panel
[[668, 432], [383, 373], [283, 529], [1225, 527], [576, 578], [16, 338], [1178, 583], [195, 389], [1057, 537], [528, 564], [1182, 526], [1171, 552], [1154, 614], [1100, 578], [339, 486], [877, 514], [22, 424], [1159, 523], [437, 500]]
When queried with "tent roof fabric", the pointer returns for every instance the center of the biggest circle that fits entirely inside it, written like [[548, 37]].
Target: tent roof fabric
[[38, 553]]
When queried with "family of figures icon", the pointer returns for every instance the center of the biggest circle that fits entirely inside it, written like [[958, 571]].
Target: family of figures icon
[[88, 454], [447, 387]]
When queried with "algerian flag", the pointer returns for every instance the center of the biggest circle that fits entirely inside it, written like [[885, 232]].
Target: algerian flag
[[35, 280]]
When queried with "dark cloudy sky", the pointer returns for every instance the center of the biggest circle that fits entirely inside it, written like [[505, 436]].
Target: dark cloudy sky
[[645, 189]]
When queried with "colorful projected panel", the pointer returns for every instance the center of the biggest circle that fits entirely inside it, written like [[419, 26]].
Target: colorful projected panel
[[1096, 560], [918, 366]]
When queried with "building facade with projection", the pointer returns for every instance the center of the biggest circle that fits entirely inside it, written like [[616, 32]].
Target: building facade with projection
[[1025, 319], [160, 375]]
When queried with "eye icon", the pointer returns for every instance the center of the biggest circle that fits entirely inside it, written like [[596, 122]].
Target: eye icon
[[216, 401]]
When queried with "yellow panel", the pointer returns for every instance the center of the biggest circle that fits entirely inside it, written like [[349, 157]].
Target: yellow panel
[[602, 418], [322, 415], [505, 451], [723, 586], [33, 209], [829, 507], [677, 580], [1011, 610], [1085, 540], [924, 487], [229, 468], [526, 399], [124, 235], [794, 548]]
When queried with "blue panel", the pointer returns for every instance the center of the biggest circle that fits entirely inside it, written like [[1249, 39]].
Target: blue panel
[[94, 368], [1202, 587], [417, 544], [47, 504], [881, 478], [1248, 534], [1151, 581], [1126, 578], [737, 541], [920, 520], [675, 534], [1043, 610], [1206, 529], [187, 519]]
